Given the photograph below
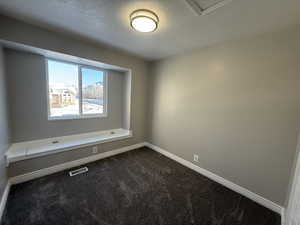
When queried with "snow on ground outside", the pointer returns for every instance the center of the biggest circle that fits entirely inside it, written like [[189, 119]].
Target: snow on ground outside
[[88, 108]]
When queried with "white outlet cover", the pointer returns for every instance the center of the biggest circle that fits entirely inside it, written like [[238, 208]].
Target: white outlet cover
[[95, 149], [196, 158]]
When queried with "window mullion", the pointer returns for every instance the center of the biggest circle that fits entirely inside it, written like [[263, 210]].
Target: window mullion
[[80, 89]]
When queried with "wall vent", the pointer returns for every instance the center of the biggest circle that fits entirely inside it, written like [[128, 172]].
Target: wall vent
[[78, 171]]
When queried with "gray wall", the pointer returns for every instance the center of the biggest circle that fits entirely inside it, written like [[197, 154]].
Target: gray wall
[[4, 124], [236, 105], [17, 31], [27, 88], [14, 30]]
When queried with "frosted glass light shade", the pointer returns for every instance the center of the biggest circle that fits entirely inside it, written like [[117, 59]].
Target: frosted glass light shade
[[144, 20]]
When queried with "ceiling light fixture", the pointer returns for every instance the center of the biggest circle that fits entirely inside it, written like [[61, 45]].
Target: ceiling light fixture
[[144, 20]]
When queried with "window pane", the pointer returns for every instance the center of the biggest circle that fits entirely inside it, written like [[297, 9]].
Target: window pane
[[63, 89], [92, 91]]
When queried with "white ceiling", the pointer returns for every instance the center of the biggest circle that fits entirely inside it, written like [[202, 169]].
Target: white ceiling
[[107, 21]]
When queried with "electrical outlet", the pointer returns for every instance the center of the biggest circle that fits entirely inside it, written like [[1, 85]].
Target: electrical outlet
[[95, 150], [196, 158]]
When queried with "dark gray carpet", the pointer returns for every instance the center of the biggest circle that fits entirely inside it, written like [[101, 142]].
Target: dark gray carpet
[[140, 187]]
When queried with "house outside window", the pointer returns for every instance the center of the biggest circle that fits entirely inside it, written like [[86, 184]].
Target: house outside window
[[75, 91]]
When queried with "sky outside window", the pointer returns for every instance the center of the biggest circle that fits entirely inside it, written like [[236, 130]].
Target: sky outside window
[[90, 76], [62, 73]]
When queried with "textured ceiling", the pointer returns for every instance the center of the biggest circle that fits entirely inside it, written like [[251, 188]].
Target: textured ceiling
[[107, 21]]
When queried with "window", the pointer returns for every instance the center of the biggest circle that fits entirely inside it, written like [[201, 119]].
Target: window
[[92, 91], [75, 91]]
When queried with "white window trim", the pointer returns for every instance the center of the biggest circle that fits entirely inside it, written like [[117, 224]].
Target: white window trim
[[80, 116]]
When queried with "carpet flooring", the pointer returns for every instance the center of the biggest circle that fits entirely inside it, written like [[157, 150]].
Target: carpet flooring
[[140, 187]]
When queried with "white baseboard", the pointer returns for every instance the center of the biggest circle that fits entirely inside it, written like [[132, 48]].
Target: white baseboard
[[243, 191], [4, 199], [43, 172], [50, 170], [282, 216]]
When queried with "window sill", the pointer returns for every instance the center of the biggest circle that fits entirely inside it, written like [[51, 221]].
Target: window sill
[[92, 116], [37, 148]]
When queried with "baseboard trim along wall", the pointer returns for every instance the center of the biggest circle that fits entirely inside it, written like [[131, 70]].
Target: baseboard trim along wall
[[4, 199], [43, 172], [46, 171], [243, 191], [50, 170]]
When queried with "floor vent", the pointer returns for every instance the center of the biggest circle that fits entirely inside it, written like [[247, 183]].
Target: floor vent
[[78, 171]]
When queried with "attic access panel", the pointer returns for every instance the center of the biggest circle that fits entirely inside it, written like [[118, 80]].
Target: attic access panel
[[202, 7], [205, 4]]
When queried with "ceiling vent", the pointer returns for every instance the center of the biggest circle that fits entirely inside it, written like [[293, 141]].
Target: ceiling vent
[[203, 7]]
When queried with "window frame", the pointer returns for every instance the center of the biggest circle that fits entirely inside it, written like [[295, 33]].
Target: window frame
[[80, 115]]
